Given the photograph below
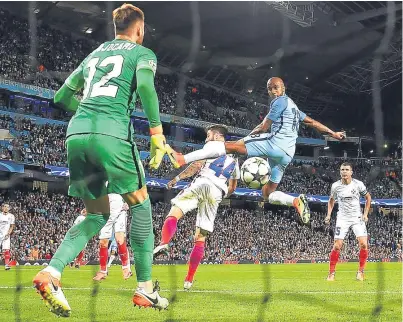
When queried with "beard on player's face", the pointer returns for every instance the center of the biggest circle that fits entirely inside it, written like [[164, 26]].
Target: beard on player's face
[[212, 136]]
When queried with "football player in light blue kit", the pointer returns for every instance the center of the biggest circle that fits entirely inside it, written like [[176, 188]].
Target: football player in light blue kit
[[113, 249], [277, 145]]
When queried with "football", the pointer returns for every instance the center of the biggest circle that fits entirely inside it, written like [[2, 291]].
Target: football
[[255, 172]]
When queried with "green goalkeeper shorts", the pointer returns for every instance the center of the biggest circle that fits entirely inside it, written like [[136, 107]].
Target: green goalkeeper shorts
[[101, 164]]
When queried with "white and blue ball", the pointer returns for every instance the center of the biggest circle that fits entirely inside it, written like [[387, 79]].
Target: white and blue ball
[[255, 172]]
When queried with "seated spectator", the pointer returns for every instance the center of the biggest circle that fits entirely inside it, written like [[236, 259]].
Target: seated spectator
[[42, 219]]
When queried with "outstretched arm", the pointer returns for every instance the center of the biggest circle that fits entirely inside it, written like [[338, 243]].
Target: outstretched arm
[[323, 128], [190, 171]]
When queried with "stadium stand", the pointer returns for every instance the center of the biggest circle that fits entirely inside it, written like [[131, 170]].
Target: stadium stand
[[55, 62], [44, 145], [264, 238]]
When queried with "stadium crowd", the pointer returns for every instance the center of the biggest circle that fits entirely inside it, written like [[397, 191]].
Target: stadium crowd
[[51, 64], [275, 235], [42, 220], [316, 178], [44, 144]]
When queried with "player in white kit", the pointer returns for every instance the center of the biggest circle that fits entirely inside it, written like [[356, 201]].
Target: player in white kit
[[204, 194], [117, 224], [7, 224], [113, 247], [347, 192]]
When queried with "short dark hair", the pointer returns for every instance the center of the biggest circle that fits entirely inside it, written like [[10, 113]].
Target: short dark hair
[[222, 129], [125, 15], [347, 164]]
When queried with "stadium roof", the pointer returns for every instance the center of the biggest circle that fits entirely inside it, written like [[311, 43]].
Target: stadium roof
[[319, 48]]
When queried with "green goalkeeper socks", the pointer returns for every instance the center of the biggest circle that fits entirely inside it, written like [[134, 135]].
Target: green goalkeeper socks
[[142, 239], [76, 239]]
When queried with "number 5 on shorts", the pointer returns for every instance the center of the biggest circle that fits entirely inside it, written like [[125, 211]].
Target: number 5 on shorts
[[337, 231]]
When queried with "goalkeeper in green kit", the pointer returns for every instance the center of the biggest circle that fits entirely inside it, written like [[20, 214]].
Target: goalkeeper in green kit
[[102, 156]]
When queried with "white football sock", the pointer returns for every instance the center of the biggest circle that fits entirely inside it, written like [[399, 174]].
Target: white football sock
[[281, 198], [211, 150], [53, 271], [111, 259]]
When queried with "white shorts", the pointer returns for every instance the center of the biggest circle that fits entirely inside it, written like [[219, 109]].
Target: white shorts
[[342, 227], [117, 219], [5, 244], [204, 196]]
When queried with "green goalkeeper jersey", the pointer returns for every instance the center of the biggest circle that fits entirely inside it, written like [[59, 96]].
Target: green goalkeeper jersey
[[108, 79]]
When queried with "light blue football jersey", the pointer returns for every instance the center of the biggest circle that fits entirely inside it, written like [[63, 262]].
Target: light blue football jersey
[[286, 118]]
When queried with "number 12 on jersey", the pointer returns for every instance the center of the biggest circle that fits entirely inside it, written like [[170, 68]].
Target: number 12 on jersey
[[101, 88], [218, 167]]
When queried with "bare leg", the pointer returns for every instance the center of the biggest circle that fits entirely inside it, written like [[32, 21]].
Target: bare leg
[[268, 189], [236, 147]]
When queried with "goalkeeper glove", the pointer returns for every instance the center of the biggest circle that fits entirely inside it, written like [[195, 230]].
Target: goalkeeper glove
[[158, 148]]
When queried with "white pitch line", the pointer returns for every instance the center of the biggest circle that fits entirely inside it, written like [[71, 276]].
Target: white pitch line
[[231, 270], [221, 291]]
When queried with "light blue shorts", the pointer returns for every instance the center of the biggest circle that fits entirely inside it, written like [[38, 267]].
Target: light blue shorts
[[113, 246], [259, 145]]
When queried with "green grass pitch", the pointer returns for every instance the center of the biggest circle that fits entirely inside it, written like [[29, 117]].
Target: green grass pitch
[[297, 292]]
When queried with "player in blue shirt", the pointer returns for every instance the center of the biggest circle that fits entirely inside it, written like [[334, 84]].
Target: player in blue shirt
[[277, 145]]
